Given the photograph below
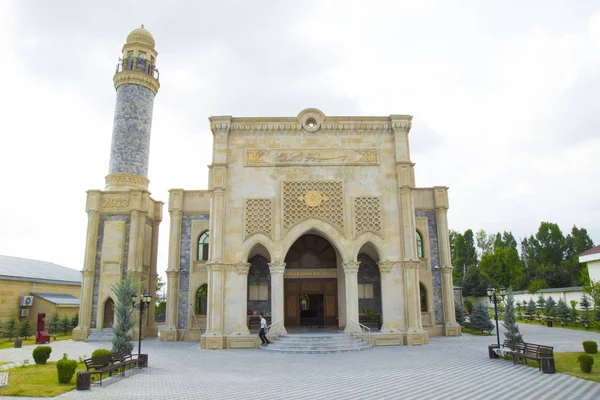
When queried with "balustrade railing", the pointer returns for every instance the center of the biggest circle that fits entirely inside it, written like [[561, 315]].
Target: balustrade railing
[[138, 64]]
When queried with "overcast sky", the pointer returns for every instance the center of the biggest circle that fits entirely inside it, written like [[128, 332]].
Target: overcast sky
[[504, 96]]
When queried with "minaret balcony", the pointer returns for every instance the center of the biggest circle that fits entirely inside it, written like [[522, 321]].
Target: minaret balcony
[[138, 64]]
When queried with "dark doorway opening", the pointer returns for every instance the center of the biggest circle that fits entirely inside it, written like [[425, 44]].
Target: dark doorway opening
[[311, 310]]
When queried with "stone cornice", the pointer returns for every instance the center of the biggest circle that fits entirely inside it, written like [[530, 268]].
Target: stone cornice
[[126, 181], [411, 264], [136, 78]]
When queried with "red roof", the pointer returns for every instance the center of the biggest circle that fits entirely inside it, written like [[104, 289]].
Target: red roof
[[593, 250]]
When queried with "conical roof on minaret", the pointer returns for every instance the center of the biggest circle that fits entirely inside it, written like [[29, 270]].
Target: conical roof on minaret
[[141, 35]]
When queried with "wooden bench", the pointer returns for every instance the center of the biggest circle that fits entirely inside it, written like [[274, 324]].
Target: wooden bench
[[111, 362], [100, 365], [530, 351]]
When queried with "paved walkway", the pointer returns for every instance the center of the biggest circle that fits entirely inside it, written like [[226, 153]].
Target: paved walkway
[[448, 368]]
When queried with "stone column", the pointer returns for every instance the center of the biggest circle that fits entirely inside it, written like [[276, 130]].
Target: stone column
[[351, 277], [169, 332], [387, 296], [153, 329], [242, 324], [411, 278], [82, 331], [451, 328], [277, 270], [216, 283], [217, 216]]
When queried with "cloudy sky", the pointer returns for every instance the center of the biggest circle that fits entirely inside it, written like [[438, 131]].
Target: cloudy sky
[[504, 96]]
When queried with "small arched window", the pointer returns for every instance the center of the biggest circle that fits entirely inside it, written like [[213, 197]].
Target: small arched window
[[203, 246], [423, 293], [419, 245], [201, 300]]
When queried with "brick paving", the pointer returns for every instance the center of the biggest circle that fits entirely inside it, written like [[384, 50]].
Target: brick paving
[[447, 368]]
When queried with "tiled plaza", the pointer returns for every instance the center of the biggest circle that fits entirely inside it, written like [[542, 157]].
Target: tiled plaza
[[448, 368]]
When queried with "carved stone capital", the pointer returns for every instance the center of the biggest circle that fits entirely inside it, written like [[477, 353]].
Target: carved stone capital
[[242, 268], [126, 181], [86, 273], [447, 269], [215, 267], [136, 78], [172, 273], [350, 267], [218, 192], [411, 264], [385, 267], [277, 268], [405, 190], [176, 213]]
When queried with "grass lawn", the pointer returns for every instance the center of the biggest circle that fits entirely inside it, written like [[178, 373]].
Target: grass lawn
[[37, 381], [558, 325], [10, 343], [567, 364], [477, 333]]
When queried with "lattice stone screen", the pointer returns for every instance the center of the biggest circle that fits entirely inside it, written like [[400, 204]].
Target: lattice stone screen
[[367, 215], [313, 199], [259, 217]]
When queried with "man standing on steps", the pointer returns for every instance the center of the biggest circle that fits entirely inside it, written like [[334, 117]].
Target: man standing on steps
[[263, 330]]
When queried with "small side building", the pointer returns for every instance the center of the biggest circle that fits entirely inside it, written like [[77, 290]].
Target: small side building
[[29, 287], [591, 257]]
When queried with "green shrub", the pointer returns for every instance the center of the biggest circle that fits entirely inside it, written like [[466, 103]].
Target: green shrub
[[585, 362], [590, 347], [41, 354], [101, 352], [66, 369]]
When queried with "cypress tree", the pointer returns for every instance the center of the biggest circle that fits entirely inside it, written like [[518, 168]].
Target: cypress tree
[[562, 311], [54, 323], [585, 313], [459, 314], [550, 307], [480, 319], [530, 309], [124, 290], [510, 322]]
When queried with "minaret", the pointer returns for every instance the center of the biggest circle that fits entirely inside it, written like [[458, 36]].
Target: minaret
[[123, 220], [136, 82]]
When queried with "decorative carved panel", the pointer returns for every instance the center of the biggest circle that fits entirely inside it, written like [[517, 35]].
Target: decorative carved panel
[[367, 215], [313, 199], [259, 217]]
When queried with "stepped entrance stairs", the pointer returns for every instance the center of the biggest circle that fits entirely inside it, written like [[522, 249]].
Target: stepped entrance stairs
[[100, 335], [316, 343]]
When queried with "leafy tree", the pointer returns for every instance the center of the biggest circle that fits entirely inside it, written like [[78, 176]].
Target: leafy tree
[[552, 244], [480, 319], [502, 267], [537, 285], [10, 327], [573, 314], [530, 309], [464, 254], [585, 313], [123, 291], [485, 242], [562, 312], [576, 243], [54, 323], [510, 322], [555, 275], [65, 324], [25, 329], [469, 306], [593, 289], [475, 283]]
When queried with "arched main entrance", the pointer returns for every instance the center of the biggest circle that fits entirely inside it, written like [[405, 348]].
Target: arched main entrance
[[311, 286]]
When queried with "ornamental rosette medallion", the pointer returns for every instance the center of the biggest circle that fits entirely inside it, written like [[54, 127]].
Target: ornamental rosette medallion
[[313, 198]]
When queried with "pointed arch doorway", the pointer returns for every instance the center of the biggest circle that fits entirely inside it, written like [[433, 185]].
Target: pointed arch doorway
[[311, 284], [109, 313]]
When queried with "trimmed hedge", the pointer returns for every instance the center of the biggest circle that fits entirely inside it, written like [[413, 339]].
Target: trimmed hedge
[[585, 362], [41, 354], [590, 347], [66, 369], [101, 352]]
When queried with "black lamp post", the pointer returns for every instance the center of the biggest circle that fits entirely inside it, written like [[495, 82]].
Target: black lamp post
[[145, 299], [491, 292]]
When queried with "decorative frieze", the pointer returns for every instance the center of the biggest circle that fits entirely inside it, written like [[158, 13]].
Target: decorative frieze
[[258, 217], [367, 215], [320, 157], [313, 199]]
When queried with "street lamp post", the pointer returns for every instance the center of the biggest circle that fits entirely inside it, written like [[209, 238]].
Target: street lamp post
[[145, 299], [491, 292]]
